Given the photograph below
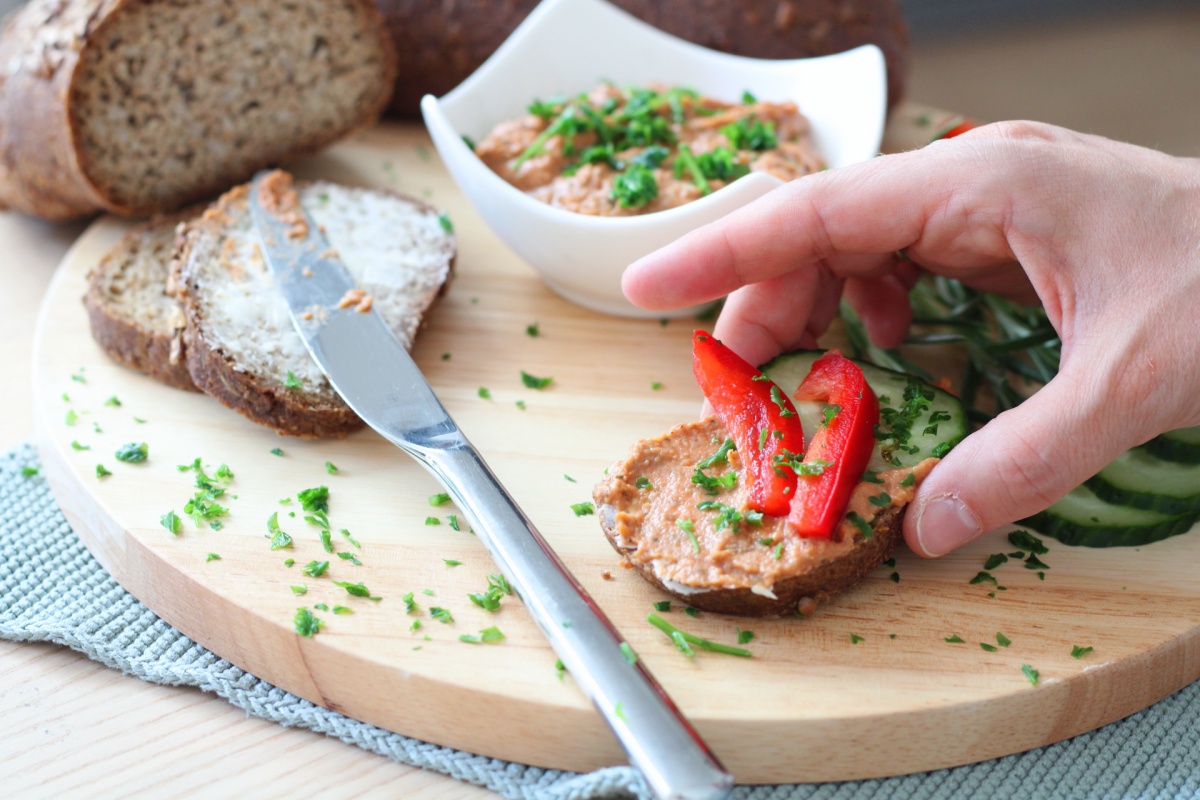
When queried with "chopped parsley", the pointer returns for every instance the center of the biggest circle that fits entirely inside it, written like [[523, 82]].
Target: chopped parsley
[[1024, 540], [532, 330], [490, 635], [984, 577], [351, 557], [830, 411], [410, 605], [445, 223], [569, 478], [749, 133], [855, 638], [1030, 673], [730, 517], [583, 509], [315, 569], [634, 187], [1003, 640], [894, 577], [871, 477], [452, 521], [442, 615], [306, 624], [331, 468], [432, 521], [627, 651], [881, 500], [655, 385], [211, 557], [451, 562], [778, 399], [1033, 562], [643, 483], [995, 560], [744, 637], [113, 401], [356, 589], [71, 417], [534, 382], [991, 648], [685, 641], [301, 589], [279, 538], [489, 599], [484, 393], [439, 499], [520, 404], [291, 382], [172, 522], [1080, 652], [955, 639], [662, 605], [864, 527], [133, 453], [342, 610], [29, 472], [276, 451], [687, 527], [714, 484], [909, 480]]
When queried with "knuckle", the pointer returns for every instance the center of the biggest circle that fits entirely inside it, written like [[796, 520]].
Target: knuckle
[[1025, 477]]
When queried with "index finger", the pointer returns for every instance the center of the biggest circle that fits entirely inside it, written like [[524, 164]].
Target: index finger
[[924, 199]]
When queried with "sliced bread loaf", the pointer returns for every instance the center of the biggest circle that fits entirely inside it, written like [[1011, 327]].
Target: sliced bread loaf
[[140, 107], [133, 317], [240, 344]]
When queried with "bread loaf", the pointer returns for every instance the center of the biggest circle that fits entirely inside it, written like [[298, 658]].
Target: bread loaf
[[241, 346], [132, 316], [440, 44], [139, 107]]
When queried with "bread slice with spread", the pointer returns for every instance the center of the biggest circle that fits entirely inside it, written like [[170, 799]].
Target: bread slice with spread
[[677, 507], [132, 315], [240, 344]]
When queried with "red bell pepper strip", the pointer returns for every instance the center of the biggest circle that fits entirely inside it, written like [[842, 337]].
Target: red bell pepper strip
[[839, 450], [955, 126], [760, 418]]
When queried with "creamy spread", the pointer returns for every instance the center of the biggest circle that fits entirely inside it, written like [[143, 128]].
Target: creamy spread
[[620, 153], [654, 504]]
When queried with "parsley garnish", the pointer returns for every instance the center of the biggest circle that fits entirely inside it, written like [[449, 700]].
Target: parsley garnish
[[643, 483], [1030, 673], [882, 500], [684, 641], [490, 635], [133, 453], [485, 393], [749, 133], [29, 472], [72, 417], [1024, 540], [356, 589], [983, 577], [291, 382], [301, 589], [830, 411], [662, 605], [342, 610], [315, 569], [1080, 652], [995, 560], [534, 382], [171, 522], [306, 624], [687, 527], [955, 639], [855, 638], [634, 187], [451, 562], [744, 637], [331, 468], [991, 648], [860, 522], [719, 457], [452, 521], [1033, 562], [778, 399], [441, 615], [432, 521], [441, 498], [532, 330], [276, 451], [113, 401], [1003, 640], [353, 559], [211, 557], [279, 538], [445, 223], [489, 599], [871, 477], [583, 509]]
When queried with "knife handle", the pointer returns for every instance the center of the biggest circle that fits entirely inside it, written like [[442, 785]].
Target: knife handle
[[660, 742]]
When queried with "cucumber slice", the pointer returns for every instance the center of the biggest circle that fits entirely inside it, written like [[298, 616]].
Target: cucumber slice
[[935, 422], [1182, 446], [1139, 480], [1081, 518]]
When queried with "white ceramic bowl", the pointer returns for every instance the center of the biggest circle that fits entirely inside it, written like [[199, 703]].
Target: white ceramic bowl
[[569, 46]]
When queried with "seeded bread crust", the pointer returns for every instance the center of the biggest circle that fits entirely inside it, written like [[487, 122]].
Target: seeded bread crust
[[131, 107], [204, 259], [132, 315]]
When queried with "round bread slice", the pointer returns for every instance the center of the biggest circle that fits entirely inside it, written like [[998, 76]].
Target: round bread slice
[[240, 344], [132, 315], [702, 546]]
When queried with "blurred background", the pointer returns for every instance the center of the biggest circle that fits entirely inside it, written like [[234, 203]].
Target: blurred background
[[1127, 69]]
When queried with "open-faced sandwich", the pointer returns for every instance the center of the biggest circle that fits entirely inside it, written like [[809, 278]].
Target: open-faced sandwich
[[793, 492]]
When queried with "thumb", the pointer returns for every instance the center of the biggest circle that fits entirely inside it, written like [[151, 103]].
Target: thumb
[[1018, 464]]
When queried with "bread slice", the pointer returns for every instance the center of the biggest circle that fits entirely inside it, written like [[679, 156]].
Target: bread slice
[[648, 509], [142, 107], [240, 344], [133, 317]]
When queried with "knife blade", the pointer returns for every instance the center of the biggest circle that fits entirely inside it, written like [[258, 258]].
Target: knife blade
[[391, 395]]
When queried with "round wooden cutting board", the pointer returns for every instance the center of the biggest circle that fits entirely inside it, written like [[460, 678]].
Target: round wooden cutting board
[[867, 686]]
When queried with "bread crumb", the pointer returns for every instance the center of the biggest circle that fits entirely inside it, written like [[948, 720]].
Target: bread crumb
[[306, 272], [277, 194], [606, 575], [364, 306], [352, 297]]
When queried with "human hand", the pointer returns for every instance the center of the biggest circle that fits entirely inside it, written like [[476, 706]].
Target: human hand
[[1105, 234]]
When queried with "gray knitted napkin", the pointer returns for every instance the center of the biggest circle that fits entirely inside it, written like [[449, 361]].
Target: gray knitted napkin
[[53, 590]]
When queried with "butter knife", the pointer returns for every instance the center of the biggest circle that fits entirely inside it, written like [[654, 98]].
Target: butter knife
[[391, 395]]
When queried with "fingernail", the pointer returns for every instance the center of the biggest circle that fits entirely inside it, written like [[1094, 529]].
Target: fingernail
[[944, 524]]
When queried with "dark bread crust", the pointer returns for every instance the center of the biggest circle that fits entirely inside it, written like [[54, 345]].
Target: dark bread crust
[[44, 168], [440, 44], [799, 593], [126, 339]]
